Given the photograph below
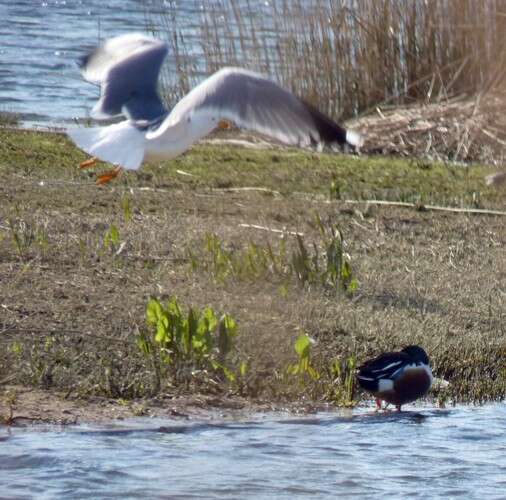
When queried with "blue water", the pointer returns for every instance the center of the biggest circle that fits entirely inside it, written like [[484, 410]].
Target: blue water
[[427, 453], [41, 40]]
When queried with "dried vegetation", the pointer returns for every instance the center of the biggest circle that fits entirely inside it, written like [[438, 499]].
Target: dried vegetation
[[422, 79], [78, 265]]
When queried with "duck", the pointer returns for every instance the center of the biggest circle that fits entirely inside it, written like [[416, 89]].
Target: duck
[[127, 67], [397, 377]]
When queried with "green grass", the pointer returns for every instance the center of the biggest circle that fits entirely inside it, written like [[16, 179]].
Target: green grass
[[318, 263], [51, 156]]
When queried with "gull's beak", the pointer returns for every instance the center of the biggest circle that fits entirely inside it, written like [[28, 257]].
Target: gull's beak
[[108, 176]]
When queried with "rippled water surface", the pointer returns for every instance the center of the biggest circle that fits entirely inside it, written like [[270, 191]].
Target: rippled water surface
[[459, 452], [41, 40]]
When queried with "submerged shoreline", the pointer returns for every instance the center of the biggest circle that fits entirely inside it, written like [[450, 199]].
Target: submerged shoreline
[[79, 263]]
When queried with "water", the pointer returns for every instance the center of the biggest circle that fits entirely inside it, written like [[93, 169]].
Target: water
[[460, 452], [40, 42]]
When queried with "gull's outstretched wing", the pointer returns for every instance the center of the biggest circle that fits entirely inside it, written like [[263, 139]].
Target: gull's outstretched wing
[[255, 103], [127, 69]]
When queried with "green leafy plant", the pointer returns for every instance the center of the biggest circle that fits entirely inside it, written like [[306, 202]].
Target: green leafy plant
[[303, 366], [187, 346], [338, 273]]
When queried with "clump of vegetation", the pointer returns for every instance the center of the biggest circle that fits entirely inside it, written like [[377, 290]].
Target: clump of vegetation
[[321, 263], [303, 367], [27, 234], [336, 271], [254, 262], [111, 239], [398, 51], [10, 397], [185, 347], [343, 381], [9, 119], [324, 378]]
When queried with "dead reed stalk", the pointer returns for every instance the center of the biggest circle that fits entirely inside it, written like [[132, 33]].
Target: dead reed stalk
[[345, 56]]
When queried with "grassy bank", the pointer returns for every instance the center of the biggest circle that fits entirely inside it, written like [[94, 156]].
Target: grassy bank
[[79, 263]]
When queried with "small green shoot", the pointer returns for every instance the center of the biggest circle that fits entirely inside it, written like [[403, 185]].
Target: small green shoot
[[126, 205], [112, 239], [303, 367], [323, 262], [343, 381]]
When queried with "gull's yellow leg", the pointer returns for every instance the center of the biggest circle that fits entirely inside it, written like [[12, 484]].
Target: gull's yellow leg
[[88, 163], [108, 176]]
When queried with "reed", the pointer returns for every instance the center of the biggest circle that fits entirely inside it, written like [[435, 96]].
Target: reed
[[345, 56]]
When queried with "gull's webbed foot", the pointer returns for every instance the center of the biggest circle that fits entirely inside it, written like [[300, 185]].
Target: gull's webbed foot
[[108, 176], [91, 162]]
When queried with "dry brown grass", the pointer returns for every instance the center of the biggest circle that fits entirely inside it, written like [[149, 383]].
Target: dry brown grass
[[71, 305], [459, 130], [344, 56]]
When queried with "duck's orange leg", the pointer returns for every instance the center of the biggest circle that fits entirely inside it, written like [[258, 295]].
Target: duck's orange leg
[[108, 176]]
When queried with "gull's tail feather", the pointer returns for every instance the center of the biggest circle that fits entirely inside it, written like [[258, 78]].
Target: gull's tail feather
[[354, 139], [331, 132], [121, 143]]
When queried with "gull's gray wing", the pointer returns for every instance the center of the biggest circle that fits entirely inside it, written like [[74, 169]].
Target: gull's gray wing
[[255, 103], [127, 69]]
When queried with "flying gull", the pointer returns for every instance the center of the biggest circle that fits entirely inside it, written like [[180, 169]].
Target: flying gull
[[127, 68]]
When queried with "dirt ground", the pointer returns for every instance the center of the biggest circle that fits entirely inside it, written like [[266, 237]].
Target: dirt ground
[[34, 406], [78, 264]]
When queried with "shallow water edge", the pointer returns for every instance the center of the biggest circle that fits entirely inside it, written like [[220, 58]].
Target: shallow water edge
[[425, 452]]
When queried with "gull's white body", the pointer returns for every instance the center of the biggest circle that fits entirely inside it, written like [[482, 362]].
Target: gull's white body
[[172, 139], [127, 69]]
